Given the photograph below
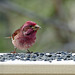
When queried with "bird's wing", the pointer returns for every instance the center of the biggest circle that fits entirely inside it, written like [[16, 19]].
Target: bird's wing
[[15, 33]]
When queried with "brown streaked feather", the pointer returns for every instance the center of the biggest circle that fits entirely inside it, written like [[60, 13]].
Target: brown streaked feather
[[15, 33]]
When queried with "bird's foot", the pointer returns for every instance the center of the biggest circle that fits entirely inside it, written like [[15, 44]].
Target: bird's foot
[[29, 51], [13, 52]]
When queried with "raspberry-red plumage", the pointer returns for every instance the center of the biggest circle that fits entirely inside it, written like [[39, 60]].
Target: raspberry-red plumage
[[25, 37]]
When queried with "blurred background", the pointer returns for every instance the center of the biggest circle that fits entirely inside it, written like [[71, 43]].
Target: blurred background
[[56, 18]]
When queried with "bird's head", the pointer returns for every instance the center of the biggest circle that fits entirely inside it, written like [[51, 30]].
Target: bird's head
[[29, 27]]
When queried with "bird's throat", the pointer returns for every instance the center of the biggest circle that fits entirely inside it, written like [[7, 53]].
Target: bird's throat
[[30, 33]]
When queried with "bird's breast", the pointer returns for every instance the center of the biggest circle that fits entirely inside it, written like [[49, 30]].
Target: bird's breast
[[23, 43]]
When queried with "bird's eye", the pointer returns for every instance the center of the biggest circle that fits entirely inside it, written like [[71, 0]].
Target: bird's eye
[[35, 27], [30, 26]]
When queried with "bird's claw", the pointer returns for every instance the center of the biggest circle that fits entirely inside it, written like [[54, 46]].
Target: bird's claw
[[29, 51], [13, 52]]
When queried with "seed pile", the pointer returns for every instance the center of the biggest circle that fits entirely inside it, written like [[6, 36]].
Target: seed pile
[[59, 56]]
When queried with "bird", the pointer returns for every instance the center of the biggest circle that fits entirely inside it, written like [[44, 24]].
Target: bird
[[24, 37]]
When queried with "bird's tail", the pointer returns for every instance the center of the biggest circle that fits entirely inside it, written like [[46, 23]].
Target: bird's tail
[[8, 37]]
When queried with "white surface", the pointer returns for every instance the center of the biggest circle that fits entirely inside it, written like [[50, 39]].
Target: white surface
[[54, 62]]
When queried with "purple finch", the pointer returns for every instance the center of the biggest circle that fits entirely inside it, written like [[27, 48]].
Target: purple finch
[[25, 37]]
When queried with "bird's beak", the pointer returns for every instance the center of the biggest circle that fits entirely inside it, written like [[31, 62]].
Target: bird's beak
[[36, 27]]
